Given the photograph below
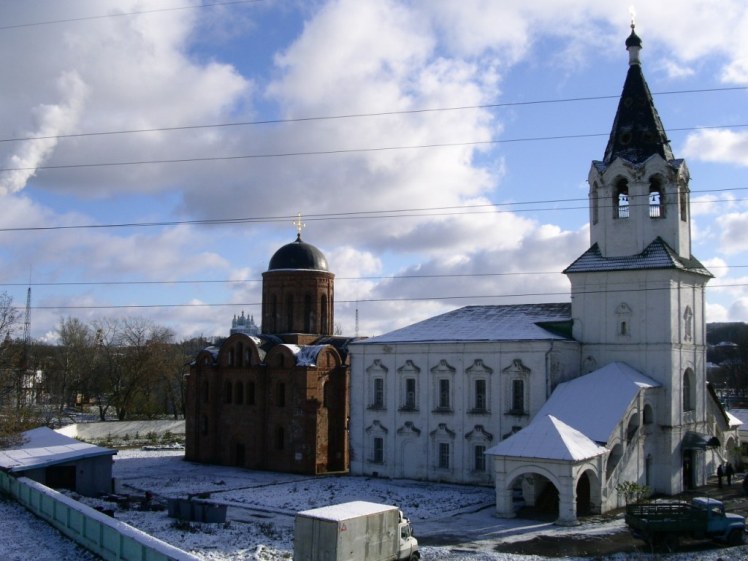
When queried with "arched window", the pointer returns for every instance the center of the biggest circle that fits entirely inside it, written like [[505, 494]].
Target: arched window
[[621, 200], [689, 391], [239, 355], [308, 314], [274, 316], [250, 393], [656, 199], [648, 415], [289, 313], [227, 392], [239, 393], [323, 328]]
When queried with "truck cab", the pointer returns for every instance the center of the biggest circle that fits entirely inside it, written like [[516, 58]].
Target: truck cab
[[408, 543], [719, 523]]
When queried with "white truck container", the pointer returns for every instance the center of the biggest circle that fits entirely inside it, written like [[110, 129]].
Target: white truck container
[[355, 531]]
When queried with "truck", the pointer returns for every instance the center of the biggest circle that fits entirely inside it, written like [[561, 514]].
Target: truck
[[663, 524], [354, 531]]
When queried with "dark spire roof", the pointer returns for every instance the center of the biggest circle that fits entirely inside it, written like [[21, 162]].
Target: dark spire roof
[[637, 130], [298, 255]]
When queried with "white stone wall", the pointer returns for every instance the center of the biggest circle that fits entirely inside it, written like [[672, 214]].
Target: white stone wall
[[412, 439]]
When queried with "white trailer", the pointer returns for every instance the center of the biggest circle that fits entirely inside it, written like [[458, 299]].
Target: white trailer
[[355, 531]]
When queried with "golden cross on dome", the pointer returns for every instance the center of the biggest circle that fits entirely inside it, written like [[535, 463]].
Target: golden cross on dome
[[298, 223]]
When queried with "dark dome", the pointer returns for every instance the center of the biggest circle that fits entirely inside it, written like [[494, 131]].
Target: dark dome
[[298, 255]]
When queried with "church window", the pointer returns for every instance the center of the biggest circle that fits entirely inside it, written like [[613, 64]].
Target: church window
[[250, 393], [410, 394], [239, 393], [444, 396], [274, 317], [239, 355], [623, 314], [377, 452], [227, 392], [443, 458], [689, 391], [308, 314], [648, 415], [280, 394], [656, 199], [518, 397], [231, 357], [377, 401], [479, 458], [289, 313], [480, 402], [621, 200], [324, 328]]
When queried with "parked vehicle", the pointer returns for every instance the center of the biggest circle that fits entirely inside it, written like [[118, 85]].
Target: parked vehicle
[[663, 524], [355, 531]]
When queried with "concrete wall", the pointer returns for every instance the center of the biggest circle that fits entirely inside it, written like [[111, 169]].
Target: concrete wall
[[109, 538]]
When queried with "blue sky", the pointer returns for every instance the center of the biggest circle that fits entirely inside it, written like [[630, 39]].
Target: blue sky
[[178, 64]]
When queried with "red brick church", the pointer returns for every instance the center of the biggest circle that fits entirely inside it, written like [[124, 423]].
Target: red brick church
[[277, 400]]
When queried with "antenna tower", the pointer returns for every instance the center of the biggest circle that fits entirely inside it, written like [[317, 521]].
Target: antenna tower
[[27, 329]]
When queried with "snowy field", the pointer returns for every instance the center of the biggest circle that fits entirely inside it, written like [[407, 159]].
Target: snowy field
[[261, 506]]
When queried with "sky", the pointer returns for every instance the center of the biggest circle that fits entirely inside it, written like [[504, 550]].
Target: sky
[[154, 155]]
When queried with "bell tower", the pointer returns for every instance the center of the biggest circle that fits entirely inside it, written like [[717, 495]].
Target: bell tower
[[637, 292]]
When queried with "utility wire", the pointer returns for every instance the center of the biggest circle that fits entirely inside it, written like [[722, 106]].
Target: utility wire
[[627, 289], [360, 115], [337, 278], [338, 151], [125, 14], [455, 210]]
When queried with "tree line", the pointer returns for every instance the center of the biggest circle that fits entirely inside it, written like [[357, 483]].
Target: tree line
[[123, 368]]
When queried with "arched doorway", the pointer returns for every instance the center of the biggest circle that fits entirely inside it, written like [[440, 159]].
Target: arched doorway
[[535, 496], [583, 496]]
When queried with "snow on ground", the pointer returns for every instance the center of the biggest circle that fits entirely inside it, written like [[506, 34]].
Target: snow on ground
[[261, 506]]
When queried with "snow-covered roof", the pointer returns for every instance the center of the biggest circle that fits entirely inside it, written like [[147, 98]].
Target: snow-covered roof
[[740, 417], [547, 437], [485, 323], [595, 403], [42, 447], [657, 255], [346, 511], [306, 355]]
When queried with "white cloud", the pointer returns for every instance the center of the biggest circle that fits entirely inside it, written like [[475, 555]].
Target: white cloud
[[722, 146], [734, 227]]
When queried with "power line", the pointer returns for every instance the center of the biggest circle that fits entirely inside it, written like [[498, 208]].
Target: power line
[[339, 151], [361, 115], [337, 278], [607, 290], [454, 210], [125, 14]]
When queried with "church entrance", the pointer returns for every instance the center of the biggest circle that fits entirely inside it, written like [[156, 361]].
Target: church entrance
[[688, 469], [583, 496]]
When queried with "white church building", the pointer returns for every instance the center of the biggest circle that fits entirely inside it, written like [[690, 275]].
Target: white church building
[[562, 402]]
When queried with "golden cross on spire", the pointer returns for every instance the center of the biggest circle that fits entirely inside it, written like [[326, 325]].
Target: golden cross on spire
[[299, 224]]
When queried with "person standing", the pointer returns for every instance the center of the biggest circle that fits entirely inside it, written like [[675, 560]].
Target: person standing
[[720, 473], [729, 471]]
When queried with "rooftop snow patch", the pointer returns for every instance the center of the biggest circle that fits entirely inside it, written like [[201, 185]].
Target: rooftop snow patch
[[549, 438], [483, 323], [306, 355], [44, 447], [346, 511], [595, 403]]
